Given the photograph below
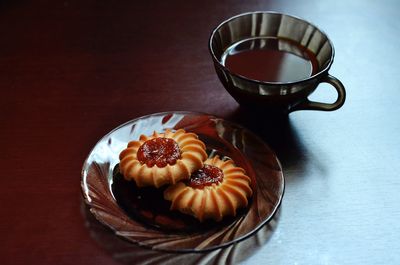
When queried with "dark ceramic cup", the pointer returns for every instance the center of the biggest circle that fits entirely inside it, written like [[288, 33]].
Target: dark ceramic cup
[[278, 96]]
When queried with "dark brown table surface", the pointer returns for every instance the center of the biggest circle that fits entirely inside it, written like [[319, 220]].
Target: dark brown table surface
[[70, 71]]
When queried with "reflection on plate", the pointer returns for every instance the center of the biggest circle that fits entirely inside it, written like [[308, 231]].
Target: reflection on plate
[[133, 216]]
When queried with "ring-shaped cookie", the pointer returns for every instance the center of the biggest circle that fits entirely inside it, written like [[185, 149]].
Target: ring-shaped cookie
[[216, 200], [192, 155]]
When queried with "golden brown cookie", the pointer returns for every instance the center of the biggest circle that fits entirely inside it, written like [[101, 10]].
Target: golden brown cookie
[[214, 191], [162, 158]]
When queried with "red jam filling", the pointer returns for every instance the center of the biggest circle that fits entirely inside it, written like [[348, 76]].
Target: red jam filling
[[206, 176], [159, 151]]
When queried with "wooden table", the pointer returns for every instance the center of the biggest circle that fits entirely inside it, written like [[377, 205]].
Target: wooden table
[[70, 71]]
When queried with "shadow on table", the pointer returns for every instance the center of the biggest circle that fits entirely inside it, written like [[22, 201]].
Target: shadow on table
[[129, 253], [278, 132]]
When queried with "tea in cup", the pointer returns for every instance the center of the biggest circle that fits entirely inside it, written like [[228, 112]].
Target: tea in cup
[[274, 61]]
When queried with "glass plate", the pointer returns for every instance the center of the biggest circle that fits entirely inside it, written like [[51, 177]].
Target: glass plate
[[142, 216]]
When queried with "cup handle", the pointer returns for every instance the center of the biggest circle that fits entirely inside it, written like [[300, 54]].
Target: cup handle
[[312, 105]]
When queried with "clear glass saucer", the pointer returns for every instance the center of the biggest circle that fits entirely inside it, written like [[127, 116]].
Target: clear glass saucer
[[117, 206]]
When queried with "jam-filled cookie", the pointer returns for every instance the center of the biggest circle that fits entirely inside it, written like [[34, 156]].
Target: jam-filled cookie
[[162, 158], [212, 192]]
